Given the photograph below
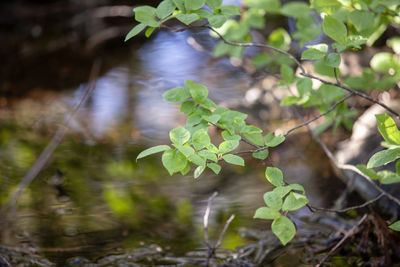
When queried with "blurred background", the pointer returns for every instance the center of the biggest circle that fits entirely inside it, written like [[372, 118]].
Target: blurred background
[[92, 199]]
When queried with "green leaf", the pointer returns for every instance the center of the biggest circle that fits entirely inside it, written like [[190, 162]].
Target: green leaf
[[385, 62], [146, 15], [388, 177], [194, 4], [368, 172], [335, 29], [388, 129], [198, 91], [214, 3], [135, 31], [185, 150], [152, 150], [384, 157], [165, 8], [320, 47], [296, 9], [230, 10], [270, 6], [198, 171], [294, 201], [233, 159], [332, 60], [187, 18], [274, 176], [217, 20], [263, 154], [312, 54], [227, 146], [280, 38], [284, 229], [395, 226], [394, 43], [186, 170], [174, 161], [180, 4], [200, 139], [187, 107], [304, 85], [213, 118], [208, 155], [266, 213], [327, 6], [255, 138], [179, 135], [362, 20], [214, 167], [177, 94], [273, 200], [149, 31], [287, 73], [196, 159], [289, 100], [272, 141], [228, 136], [297, 187]]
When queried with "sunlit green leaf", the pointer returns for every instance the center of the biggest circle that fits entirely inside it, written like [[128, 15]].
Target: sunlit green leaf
[[335, 29], [152, 150], [233, 159], [187, 18], [177, 94], [296, 9], [194, 4], [385, 62], [312, 54], [388, 129], [180, 4], [208, 155], [214, 3], [274, 176], [200, 139], [146, 15], [214, 167], [185, 150], [273, 200], [263, 154], [388, 177], [395, 226], [327, 6], [384, 157], [228, 136], [227, 146], [284, 229], [198, 91], [135, 31], [217, 20], [149, 31], [272, 141], [394, 43], [186, 170], [165, 8], [332, 60], [174, 161], [287, 73], [179, 135], [266, 213], [198, 171], [280, 38], [362, 19], [294, 201], [187, 107]]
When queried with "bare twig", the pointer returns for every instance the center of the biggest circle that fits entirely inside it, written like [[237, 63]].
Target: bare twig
[[312, 208], [55, 141], [205, 218], [211, 248], [319, 116], [351, 232]]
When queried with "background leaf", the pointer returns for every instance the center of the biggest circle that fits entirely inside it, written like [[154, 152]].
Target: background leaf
[[335, 29]]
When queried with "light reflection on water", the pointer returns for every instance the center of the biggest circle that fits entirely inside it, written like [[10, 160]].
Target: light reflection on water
[[164, 62]]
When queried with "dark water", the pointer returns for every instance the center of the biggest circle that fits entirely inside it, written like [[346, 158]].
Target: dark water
[[93, 199]]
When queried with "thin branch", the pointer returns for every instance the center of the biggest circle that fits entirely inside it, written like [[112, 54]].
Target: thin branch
[[312, 208], [353, 91], [221, 235], [320, 115], [248, 44], [336, 75], [53, 144], [205, 219], [345, 237]]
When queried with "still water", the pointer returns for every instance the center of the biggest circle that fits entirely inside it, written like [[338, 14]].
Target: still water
[[92, 199]]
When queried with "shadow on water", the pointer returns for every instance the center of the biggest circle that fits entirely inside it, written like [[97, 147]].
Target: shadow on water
[[92, 199]]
